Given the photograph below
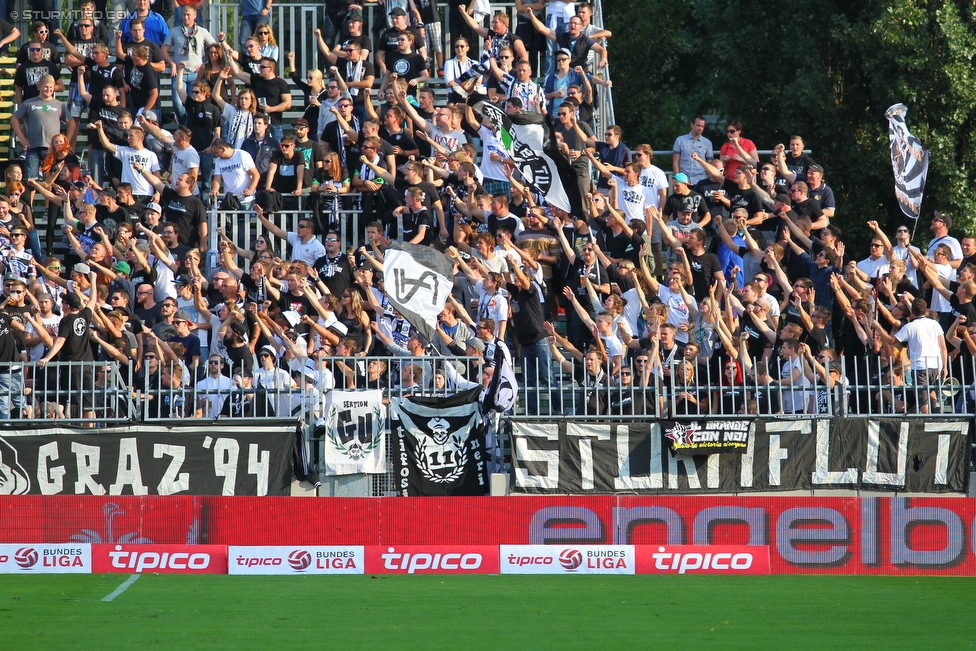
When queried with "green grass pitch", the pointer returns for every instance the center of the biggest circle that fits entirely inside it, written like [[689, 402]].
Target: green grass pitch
[[487, 612]]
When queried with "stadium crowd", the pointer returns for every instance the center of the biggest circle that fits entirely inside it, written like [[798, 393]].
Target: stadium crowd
[[726, 289]]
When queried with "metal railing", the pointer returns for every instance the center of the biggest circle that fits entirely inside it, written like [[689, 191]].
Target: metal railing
[[862, 387]]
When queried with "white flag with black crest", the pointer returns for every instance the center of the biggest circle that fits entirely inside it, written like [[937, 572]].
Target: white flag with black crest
[[418, 282], [909, 161]]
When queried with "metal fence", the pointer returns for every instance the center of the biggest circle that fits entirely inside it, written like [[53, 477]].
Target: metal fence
[[874, 386]]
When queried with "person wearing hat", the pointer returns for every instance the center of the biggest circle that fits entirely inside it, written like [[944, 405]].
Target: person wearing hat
[[182, 322], [820, 191], [683, 198], [235, 340], [309, 149], [557, 84], [940, 226], [269, 377], [390, 43], [684, 146]]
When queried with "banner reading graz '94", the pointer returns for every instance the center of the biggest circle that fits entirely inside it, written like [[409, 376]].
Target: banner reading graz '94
[[141, 460], [888, 454]]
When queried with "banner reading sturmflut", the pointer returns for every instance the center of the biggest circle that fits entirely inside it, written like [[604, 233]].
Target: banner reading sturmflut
[[418, 282], [439, 445], [909, 161], [354, 439]]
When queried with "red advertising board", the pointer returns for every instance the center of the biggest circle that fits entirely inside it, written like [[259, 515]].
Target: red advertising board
[[432, 559], [159, 559], [871, 535], [703, 559]]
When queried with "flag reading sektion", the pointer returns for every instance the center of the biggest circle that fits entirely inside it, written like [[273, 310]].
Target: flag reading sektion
[[527, 139], [354, 433], [418, 282], [439, 445], [909, 161]]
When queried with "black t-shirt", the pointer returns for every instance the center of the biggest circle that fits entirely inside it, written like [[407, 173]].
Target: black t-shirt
[[109, 115], [747, 198], [676, 202], [407, 67], [389, 45], [369, 70], [142, 81], [334, 272], [286, 176], [312, 154], [74, 329], [30, 73], [402, 140], [203, 119], [527, 318], [187, 213], [703, 268], [798, 166], [49, 52], [111, 219], [270, 91], [300, 303], [97, 78], [413, 221], [155, 55], [9, 347]]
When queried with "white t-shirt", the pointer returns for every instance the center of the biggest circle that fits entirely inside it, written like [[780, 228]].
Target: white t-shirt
[[922, 336], [955, 249], [185, 160], [490, 143], [632, 200], [140, 186], [216, 402], [947, 275], [653, 180], [493, 307], [233, 171], [51, 325], [874, 267], [677, 311]]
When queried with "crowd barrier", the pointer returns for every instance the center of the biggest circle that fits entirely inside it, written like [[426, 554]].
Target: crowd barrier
[[803, 535]]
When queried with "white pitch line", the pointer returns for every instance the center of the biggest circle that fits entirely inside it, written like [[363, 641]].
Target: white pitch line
[[122, 588]]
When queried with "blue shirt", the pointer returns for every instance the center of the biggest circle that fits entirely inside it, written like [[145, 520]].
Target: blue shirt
[[156, 28], [685, 145]]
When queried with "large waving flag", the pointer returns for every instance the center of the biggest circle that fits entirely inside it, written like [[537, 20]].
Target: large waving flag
[[527, 139], [909, 160], [418, 282]]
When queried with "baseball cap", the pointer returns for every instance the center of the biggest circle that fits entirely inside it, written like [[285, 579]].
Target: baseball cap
[[815, 168], [122, 267], [71, 300], [109, 192], [182, 280], [398, 11], [301, 122], [681, 177], [81, 268], [687, 205], [477, 344], [565, 51], [239, 328], [155, 207], [946, 218], [150, 115], [182, 315]]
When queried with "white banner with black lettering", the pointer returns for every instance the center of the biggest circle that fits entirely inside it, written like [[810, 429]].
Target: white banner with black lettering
[[142, 460], [354, 433], [884, 454]]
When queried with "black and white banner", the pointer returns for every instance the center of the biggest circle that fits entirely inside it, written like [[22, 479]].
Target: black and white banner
[[890, 454], [354, 433], [418, 282], [440, 445], [909, 161], [141, 460], [527, 139]]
